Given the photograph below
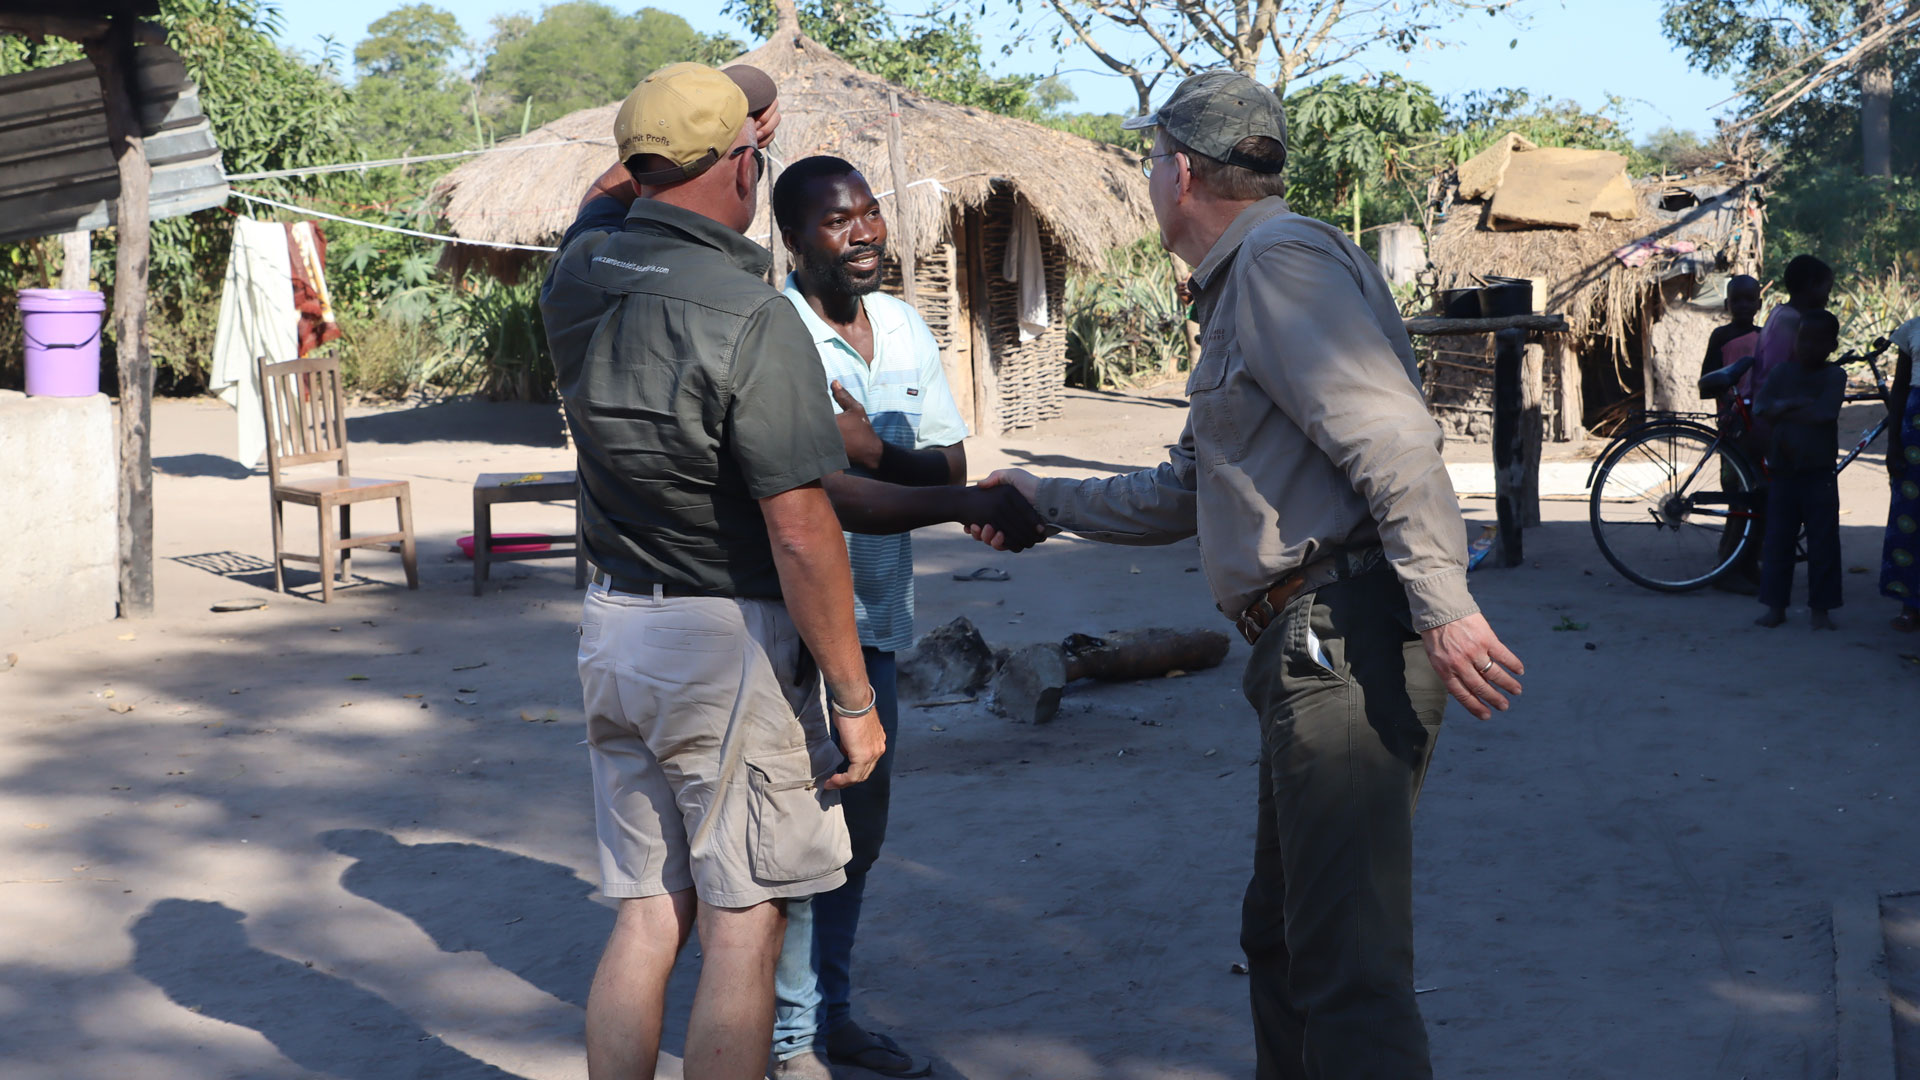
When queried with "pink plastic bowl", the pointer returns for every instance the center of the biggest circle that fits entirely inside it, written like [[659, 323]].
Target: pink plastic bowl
[[500, 544]]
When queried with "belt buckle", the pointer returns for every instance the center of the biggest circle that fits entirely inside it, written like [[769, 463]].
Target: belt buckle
[[1249, 622]]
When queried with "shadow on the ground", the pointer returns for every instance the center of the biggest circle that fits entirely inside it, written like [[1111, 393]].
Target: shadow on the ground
[[201, 465], [243, 568], [535, 918], [444, 888], [518, 423], [198, 954], [1065, 461]]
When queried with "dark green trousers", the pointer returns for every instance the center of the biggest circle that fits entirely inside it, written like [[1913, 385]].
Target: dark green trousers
[[1349, 711]]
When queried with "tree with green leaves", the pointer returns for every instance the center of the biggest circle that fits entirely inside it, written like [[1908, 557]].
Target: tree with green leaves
[[1351, 136], [1832, 87], [410, 96], [938, 56], [1788, 51], [583, 53]]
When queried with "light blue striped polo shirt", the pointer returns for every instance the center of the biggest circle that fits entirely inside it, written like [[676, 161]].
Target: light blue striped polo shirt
[[906, 396]]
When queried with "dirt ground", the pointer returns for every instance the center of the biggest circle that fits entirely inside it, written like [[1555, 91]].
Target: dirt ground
[[355, 840]]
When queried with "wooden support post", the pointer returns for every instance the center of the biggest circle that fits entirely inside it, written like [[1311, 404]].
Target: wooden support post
[[1533, 363], [902, 227], [76, 271], [986, 381], [113, 59], [1509, 464], [774, 243], [1570, 408]]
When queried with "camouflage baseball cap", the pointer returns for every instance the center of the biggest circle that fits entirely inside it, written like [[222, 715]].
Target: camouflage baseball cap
[[1214, 110]]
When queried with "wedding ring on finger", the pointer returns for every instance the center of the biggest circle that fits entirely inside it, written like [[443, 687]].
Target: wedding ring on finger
[[1489, 667]]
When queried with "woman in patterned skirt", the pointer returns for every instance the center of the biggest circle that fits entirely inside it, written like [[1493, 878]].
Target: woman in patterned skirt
[[1900, 563]]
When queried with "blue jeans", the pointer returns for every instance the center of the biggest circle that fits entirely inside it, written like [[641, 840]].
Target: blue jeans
[[813, 986]]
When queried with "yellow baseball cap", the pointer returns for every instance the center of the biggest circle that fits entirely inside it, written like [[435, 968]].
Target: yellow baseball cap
[[689, 114]]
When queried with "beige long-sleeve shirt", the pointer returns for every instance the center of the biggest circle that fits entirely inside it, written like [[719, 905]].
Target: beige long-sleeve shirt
[[1307, 430]]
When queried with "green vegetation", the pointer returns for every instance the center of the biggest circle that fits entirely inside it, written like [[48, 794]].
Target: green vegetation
[[1362, 151], [939, 56], [1126, 324], [1846, 185]]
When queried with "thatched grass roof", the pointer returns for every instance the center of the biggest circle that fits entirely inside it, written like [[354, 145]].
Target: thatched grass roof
[[1599, 295], [1090, 195]]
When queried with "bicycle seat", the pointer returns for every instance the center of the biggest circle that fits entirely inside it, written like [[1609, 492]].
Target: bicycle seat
[[1715, 383]]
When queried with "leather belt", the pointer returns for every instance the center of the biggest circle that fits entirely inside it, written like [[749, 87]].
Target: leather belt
[[636, 587], [1340, 565]]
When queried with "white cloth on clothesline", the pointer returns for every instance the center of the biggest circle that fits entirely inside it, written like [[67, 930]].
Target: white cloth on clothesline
[[1025, 266], [257, 318]]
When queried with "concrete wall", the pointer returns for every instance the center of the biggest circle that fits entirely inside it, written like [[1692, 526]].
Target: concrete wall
[[59, 512]]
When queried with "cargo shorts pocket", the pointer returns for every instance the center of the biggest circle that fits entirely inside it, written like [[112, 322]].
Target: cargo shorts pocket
[[795, 832]]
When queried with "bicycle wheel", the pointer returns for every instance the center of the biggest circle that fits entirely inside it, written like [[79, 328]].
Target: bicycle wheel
[[1673, 506]]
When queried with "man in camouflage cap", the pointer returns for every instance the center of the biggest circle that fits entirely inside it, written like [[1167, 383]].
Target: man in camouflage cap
[[1311, 471]]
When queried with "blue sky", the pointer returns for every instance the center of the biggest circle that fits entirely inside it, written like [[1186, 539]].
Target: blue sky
[[1578, 49]]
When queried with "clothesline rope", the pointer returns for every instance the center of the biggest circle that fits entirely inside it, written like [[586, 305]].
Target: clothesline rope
[[445, 239], [383, 163], [442, 237]]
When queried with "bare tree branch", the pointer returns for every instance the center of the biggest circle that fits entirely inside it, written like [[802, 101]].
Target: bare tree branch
[[1869, 46]]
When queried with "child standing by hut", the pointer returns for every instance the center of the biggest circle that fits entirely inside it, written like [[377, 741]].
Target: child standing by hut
[[1728, 345], [1801, 400]]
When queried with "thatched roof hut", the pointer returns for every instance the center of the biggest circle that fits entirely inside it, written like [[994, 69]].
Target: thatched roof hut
[[969, 176], [1639, 295]]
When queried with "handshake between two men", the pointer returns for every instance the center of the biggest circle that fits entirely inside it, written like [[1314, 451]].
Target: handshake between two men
[[899, 489]]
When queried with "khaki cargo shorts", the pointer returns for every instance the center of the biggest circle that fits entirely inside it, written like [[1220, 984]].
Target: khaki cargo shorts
[[708, 735]]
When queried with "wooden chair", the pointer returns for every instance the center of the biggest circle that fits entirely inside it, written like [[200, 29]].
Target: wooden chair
[[306, 423]]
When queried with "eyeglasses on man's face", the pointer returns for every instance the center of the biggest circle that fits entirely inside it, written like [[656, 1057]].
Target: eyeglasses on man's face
[[1146, 163], [759, 160]]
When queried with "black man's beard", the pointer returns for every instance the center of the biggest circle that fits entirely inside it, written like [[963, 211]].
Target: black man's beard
[[838, 278]]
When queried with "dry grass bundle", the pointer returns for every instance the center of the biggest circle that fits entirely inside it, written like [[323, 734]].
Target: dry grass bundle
[[1597, 294], [1091, 197]]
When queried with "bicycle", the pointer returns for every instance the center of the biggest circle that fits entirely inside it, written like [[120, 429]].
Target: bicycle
[[1675, 501]]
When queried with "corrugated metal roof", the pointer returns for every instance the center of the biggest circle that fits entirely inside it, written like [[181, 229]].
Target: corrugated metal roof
[[56, 169]]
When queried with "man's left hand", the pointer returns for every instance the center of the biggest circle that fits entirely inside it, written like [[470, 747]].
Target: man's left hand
[[1473, 663]]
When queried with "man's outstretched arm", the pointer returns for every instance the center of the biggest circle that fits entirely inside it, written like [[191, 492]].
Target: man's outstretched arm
[[877, 508]]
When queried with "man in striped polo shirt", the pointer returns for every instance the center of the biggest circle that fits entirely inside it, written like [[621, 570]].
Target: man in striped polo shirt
[[903, 435]]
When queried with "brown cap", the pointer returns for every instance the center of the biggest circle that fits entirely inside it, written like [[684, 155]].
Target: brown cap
[[690, 114], [756, 84]]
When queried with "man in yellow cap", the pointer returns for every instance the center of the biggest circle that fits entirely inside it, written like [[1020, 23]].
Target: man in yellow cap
[[722, 594]]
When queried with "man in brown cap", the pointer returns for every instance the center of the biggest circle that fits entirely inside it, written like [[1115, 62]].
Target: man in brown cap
[[722, 594], [1311, 471]]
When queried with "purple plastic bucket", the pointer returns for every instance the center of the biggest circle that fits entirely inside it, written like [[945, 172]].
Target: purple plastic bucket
[[63, 340]]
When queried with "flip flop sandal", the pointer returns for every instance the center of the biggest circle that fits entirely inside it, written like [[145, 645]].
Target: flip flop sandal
[[985, 573], [878, 1053]]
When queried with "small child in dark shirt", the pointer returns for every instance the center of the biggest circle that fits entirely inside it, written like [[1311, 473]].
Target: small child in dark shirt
[[1801, 400], [1740, 337], [1728, 345]]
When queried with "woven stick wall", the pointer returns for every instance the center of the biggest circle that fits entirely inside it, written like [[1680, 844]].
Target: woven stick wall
[[939, 300], [1457, 373], [1032, 375]]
